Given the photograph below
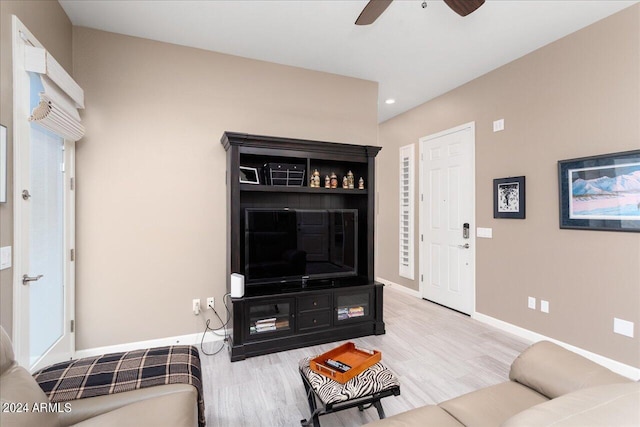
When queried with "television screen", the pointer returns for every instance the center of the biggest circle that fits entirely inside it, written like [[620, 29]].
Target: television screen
[[288, 244]]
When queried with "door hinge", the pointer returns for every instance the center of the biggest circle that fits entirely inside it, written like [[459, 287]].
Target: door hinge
[[73, 255], [422, 237], [422, 197], [73, 326], [422, 277], [72, 183]]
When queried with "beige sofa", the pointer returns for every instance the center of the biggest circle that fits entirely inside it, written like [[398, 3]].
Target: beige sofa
[[174, 405], [549, 386]]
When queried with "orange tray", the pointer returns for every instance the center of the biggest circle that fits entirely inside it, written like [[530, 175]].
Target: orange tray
[[358, 358]]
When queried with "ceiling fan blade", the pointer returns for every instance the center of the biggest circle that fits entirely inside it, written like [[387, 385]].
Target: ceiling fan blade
[[372, 11], [464, 7]]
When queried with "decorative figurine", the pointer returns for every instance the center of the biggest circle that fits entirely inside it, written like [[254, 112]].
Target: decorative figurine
[[334, 180], [345, 182], [350, 181], [327, 182], [361, 184], [316, 178]]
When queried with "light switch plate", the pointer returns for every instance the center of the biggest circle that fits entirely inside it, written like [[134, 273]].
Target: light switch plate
[[531, 303], [486, 233], [498, 125], [544, 306], [5, 257]]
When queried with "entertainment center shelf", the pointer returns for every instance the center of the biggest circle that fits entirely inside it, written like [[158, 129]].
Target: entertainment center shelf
[[308, 190], [326, 291]]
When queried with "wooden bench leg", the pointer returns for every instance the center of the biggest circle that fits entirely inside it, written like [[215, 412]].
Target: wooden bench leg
[[313, 407], [378, 406]]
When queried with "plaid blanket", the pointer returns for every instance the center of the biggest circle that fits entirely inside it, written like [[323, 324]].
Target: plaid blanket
[[118, 372]]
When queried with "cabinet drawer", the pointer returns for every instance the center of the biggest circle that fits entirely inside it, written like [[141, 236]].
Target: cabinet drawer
[[314, 319], [314, 302]]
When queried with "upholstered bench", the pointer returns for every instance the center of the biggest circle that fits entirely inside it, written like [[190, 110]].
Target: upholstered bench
[[366, 388]]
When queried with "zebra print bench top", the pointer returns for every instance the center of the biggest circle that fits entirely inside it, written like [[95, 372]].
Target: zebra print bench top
[[375, 379]]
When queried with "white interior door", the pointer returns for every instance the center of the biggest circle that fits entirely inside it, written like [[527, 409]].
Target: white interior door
[[43, 227], [447, 204]]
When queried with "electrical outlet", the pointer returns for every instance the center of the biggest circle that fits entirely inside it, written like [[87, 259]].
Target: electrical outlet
[[544, 306], [531, 303], [623, 327], [196, 306], [211, 303]]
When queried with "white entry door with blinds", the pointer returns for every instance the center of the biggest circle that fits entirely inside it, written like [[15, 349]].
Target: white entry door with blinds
[[447, 218], [44, 205]]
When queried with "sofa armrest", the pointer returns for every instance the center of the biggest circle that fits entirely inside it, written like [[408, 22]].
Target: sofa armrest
[[90, 407], [602, 406], [175, 410], [428, 415], [553, 371]]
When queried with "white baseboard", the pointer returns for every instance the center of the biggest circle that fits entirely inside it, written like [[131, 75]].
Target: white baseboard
[[615, 366], [190, 339], [618, 367], [399, 287]]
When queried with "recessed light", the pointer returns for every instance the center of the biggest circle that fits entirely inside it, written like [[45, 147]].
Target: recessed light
[[390, 101]]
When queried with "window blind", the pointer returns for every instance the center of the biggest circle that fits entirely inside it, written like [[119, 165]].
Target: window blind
[[57, 110], [407, 161]]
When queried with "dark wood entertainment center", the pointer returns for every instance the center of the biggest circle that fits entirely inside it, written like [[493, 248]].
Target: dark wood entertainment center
[[273, 317]]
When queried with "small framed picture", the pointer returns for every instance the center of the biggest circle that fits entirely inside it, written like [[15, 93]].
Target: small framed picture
[[249, 175], [509, 198]]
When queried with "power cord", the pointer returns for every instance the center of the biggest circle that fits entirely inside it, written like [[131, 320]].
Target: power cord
[[223, 326]]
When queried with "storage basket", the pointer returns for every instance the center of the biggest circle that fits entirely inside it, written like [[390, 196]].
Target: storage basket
[[284, 174]]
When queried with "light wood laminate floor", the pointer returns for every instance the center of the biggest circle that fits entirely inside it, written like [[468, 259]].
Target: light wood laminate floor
[[436, 353]]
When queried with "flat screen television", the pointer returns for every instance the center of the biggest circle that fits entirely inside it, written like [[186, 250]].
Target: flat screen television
[[285, 245]]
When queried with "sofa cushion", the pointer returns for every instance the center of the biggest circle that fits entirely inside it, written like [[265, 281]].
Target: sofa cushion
[[608, 405], [553, 371], [175, 410], [429, 415], [26, 403], [7, 358], [24, 400], [493, 405]]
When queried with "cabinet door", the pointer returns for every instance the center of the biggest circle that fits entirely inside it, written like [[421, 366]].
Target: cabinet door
[[353, 306], [270, 317]]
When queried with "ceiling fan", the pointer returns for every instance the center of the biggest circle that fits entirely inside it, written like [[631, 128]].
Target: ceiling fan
[[374, 9]]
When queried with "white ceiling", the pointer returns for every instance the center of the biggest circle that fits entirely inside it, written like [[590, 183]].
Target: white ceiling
[[414, 54]]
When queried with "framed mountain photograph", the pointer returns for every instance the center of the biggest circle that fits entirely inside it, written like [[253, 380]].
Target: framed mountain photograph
[[600, 192]]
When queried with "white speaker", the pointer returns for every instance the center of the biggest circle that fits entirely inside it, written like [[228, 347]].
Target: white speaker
[[237, 285]]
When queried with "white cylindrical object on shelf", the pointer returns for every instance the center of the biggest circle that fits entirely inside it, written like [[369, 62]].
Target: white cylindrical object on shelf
[[237, 285]]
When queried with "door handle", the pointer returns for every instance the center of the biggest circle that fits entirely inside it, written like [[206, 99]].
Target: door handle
[[26, 279], [465, 246]]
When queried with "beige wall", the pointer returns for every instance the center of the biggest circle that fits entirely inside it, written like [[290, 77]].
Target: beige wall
[[50, 25], [151, 171], [579, 96]]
